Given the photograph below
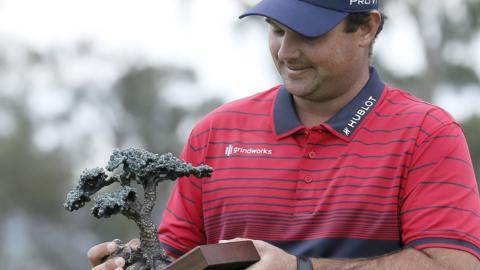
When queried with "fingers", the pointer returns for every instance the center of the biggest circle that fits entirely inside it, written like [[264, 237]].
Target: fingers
[[96, 253], [100, 251], [134, 243], [112, 264]]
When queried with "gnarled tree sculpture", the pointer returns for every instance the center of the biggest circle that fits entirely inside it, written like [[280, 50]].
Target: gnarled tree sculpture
[[146, 169]]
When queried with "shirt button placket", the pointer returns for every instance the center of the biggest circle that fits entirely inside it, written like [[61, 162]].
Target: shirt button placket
[[305, 178], [310, 154]]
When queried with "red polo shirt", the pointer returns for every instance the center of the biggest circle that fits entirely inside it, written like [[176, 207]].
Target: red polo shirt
[[387, 171]]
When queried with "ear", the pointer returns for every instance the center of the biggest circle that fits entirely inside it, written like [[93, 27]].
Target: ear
[[368, 31]]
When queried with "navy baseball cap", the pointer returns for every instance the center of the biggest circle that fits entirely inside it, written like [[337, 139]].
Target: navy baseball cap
[[311, 18]]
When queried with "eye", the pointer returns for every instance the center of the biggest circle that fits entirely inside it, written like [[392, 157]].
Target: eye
[[274, 28], [278, 31]]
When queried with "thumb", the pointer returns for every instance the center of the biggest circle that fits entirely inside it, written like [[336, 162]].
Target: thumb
[[134, 243]]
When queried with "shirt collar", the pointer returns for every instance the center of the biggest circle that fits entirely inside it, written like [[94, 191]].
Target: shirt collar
[[343, 124]]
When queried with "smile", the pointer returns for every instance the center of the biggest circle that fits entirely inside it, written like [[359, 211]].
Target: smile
[[295, 71]]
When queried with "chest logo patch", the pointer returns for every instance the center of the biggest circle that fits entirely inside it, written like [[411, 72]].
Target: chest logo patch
[[234, 150]]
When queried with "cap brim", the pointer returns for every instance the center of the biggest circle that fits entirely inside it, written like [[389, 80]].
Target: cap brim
[[306, 19]]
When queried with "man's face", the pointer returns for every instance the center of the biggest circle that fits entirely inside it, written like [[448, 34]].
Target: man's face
[[316, 69]]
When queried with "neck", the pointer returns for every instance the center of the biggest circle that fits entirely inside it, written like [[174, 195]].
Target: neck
[[312, 112]]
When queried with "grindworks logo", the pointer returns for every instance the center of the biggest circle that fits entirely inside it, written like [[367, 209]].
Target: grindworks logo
[[232, 150]]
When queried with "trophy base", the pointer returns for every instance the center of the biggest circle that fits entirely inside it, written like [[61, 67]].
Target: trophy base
[[224, 256]]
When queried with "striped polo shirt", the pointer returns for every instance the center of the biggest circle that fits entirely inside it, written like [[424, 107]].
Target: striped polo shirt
[[387, 171]]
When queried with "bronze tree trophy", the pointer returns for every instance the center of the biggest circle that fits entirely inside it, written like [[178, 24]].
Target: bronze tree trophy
[[147, 169]]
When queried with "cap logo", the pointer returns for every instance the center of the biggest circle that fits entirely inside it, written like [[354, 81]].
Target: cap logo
[[363, 2], [345, 5]]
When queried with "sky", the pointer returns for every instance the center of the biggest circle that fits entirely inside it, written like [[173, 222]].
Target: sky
[[202, 35], [194, 35]]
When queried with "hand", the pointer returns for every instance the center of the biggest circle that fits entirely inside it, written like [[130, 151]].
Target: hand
[[97, 253], [271, 257]]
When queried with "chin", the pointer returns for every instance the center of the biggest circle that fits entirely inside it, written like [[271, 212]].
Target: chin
[[297, 87], [298, 90], [301, 86]]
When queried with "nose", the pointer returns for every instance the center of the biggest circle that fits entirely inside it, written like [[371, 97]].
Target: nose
[[289, 47]]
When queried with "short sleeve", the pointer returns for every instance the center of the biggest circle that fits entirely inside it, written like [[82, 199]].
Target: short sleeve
[[439, 199], [181, 228]]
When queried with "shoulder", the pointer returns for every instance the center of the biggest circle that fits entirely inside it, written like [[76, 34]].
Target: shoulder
[[400, 110], [399, 105], [252, 104], [234, 115], [255, 106]]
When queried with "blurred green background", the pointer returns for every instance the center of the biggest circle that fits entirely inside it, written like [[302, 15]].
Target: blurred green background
[[65, 107]]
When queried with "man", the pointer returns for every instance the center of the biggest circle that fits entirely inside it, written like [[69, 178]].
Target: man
[[333, 169]]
